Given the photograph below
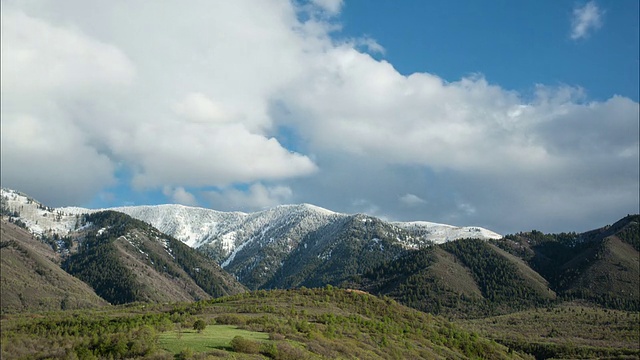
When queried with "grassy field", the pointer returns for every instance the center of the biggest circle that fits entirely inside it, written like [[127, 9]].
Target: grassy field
[[212, 337]]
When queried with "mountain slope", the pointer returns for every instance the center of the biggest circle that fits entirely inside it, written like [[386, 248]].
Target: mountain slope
[[293, 245], [601, 265], [338, 251], [462, 278], [610, 277], [32, 280], [126, 260]]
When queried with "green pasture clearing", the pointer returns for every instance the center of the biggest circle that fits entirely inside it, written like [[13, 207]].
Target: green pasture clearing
[[212, 337]]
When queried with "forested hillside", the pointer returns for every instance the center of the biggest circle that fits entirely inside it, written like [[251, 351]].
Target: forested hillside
[[602, 265], [464, 278], [126, 260], [338, 251]]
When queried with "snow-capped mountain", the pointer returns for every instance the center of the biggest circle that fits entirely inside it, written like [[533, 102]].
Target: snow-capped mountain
[[198, 226], [252, 246], [37, 218]]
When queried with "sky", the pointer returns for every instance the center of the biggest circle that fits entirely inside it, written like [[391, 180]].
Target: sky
[[508, 115]]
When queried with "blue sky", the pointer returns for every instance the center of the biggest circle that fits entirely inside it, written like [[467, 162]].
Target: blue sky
[[514, 44], [507, 115]]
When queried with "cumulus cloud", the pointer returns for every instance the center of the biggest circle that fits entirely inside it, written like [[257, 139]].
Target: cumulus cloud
[[41, 157], [198, 107], [191, 113], [361, 106], [43, 149], [179, 195], [256, 197], [40, 57], [470, 132], [416, 119], [196, 98], [586, 19], [332, 7], [198, 155], [411, 200]]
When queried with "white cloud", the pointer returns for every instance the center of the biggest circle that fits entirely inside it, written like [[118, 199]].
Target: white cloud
[[332, 7], [586, 18], [194, 97], [411, 200], [179, 195], [191, 113], [37, 56], [371, 45], [256, 197], [468, 132], [198, 107], [363, 107], [200, 156], [44, 151], [43, 157]]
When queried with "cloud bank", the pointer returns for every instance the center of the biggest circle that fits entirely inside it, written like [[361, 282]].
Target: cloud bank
[[198, 98]]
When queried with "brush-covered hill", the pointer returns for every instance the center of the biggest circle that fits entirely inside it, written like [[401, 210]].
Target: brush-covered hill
[[31, 278], [571, 330], [602, 265], [126, 260], [462, 278], [325, 323]]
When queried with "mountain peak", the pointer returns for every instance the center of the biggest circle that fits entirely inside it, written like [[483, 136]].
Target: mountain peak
[[253, 246]]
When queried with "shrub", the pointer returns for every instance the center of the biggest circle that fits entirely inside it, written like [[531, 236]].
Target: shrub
[[185, 354], [199, 325], [231, 319], [243, 345], [288, 352], [276, 336], [269, 349]]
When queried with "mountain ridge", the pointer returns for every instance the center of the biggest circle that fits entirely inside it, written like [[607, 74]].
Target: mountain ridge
[[173, 211], [302, 245], [252, 246]]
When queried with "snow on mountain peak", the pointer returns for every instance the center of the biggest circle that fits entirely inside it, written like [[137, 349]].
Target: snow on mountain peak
[[228, 233], [441, 233], [39, 219], [192, 225]]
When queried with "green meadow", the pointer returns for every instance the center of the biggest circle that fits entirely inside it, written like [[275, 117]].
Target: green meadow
[[212, 337]]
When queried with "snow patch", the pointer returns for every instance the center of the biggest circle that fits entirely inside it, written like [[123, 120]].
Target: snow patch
[[228, 241], [235, 252]]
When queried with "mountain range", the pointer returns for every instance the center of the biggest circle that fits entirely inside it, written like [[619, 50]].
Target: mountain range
[[255, 247], [177, 253]]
